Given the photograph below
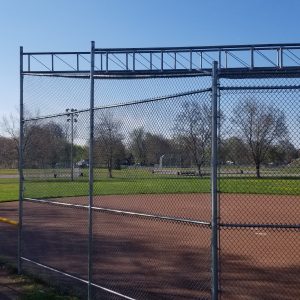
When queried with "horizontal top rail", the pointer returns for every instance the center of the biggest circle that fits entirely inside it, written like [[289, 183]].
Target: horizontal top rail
[[203, 48], [158, 61], [58, 53]]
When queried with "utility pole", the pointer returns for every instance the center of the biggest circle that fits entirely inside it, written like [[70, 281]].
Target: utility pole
[[72, 117]]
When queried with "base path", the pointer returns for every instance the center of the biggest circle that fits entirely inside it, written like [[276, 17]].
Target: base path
[[147, 258]]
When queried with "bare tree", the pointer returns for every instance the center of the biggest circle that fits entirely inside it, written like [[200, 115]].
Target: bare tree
[[283, 152], [156, 146], [193, 129], [108, 141], [10, 126], [233, 149], [259, 125], [46, 145], [138, 146], [8, 153]]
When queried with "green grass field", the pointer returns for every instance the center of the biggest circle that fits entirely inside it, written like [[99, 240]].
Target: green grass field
[[28, 287], [8, 189], [8, 172], [150, 184]]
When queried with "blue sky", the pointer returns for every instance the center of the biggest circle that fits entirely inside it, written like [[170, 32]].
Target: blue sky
[[70, 25]]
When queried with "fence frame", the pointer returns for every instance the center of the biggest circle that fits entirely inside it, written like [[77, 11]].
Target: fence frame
[[128, 69]]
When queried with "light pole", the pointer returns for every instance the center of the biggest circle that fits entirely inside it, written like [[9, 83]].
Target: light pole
[[72, 117]]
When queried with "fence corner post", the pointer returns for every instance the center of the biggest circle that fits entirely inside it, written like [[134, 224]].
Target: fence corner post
[[214, 186], [21, 134], [91, 171]]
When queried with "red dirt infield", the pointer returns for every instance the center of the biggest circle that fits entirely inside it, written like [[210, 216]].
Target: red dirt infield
[[147, 258]]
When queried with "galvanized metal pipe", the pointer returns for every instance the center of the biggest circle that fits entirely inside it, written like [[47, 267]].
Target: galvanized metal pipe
[[52, 62], [91, 170], [259, 88], [258, 48], [106, 61], [201, 48], [133, 61], [281, 58], [21, 175], [201, 60], [214, 185], [252, 58], [28, 63], [72, 146], [263, 226]]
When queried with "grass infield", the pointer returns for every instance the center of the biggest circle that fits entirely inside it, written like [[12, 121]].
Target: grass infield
[[156, 185], [8, 171]]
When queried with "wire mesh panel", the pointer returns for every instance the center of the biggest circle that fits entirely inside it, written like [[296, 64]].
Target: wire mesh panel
[[259, 263], [8, 232], [151, 203], [151, 235], [148, 258], [56, 158], [55, 245], [50, 95], [56, 237], [55, 170], [259, 184]]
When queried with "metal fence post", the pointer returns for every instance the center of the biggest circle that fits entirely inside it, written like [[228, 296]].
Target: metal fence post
[[214, 185], [21, 138], [72, 145], [91, 171]]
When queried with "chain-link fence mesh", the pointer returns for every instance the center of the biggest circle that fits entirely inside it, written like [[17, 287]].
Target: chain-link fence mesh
[[147, 246], [151, 203], [259, 263], [8, 233], [259, 175], [146, 230]]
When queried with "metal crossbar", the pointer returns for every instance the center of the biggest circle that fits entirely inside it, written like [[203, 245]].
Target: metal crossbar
[[124, 61]]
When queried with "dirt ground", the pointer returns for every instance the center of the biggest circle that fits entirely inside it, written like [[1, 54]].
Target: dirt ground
[[154, 259], [9, 289]]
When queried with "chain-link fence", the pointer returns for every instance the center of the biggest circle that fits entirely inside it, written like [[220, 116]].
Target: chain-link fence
[[259, 195], [8, 233], [150, 237], [175, 181]]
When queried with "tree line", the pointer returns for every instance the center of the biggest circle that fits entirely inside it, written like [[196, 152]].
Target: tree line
[[259, 135], [45, 146]]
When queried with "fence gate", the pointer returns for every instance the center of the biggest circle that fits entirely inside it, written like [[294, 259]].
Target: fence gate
[[162, 173]]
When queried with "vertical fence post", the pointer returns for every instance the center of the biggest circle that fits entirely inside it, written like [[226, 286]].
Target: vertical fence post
[[214, 185], [91, 171], [72, 146], [21, 138]]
